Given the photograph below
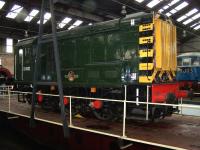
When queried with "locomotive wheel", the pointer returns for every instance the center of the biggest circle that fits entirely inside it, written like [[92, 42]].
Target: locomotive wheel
[[155, 113], [105, 113], [76, 108], [29, 98]]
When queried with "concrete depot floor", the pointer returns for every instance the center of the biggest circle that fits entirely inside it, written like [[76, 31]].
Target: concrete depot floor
[[180, 131]]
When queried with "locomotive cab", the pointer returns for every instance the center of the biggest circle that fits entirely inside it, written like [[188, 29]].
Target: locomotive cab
[[188, 71]]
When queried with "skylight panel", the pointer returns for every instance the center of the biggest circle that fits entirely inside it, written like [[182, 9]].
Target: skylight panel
[[47, 16], [194, 24], [161, 10], [196, 16], [75, 24], [71, 27], [9, 45], [173, 11], [78, 23], [153, 3], [64, 22], [2, 3], [176, 9], [190, 13], [173, 2], [168, 5], [168, 14], [187, 21], [15, 10], [61, 25], [197, 27], [181, 18], [192, 19], [181, 6], [31, 15], [139, 1]]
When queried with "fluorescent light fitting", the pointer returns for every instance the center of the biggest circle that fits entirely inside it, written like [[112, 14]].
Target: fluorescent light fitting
[[181, 6], [153, 3], [90, 24], [139, 1], [15, 10], [77, 23], [181, 18], [197, 27], [31, 15], [2, 3], [187, 21]]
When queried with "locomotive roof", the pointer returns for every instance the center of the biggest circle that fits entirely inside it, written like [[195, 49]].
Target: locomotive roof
[[101, 25], [190, 54]]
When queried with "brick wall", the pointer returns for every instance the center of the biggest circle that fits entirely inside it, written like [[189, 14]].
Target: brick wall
[[7, 60]]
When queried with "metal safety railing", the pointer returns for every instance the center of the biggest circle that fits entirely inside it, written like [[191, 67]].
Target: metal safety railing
[[11, 93], [4, 90]]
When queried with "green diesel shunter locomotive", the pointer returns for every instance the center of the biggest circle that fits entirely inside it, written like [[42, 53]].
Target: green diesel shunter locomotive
[[99, 60]]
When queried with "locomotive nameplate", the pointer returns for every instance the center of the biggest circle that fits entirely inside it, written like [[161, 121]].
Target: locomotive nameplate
[[71, 76], [27, 68]]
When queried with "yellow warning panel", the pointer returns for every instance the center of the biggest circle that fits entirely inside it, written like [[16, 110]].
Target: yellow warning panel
[[146, 27], [147, 79], [146, 40], [165, 45], [146, 53], [146, 66]]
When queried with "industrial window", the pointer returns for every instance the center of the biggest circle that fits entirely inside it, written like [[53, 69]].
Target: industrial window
[[9, 45]]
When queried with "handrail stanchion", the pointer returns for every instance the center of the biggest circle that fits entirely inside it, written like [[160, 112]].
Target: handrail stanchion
[[124, 116], [137, 96], [70, 111], [147, 109], [8, 99], [181, 106]]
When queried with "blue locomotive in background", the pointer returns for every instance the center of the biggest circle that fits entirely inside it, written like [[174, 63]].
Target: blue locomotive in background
[[188, 73]]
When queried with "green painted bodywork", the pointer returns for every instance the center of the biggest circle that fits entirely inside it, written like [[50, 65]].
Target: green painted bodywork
[[97, 55]]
